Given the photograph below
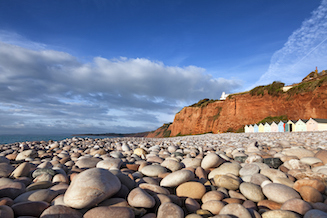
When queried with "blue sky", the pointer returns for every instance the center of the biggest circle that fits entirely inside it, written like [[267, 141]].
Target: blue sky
[[128, 66]]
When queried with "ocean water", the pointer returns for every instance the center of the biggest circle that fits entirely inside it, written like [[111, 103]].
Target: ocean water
[[9, 139]]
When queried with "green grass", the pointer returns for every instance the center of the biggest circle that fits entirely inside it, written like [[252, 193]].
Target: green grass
[[240, 130], [307, 86], [274, 89], [275, 119], [203, 102]]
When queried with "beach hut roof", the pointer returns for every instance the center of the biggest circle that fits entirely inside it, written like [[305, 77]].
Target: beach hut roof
[[318, 120]]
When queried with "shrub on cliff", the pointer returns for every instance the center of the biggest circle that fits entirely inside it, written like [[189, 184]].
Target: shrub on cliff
[[275, 119], [203, 102], [307, 86], [274, 89]]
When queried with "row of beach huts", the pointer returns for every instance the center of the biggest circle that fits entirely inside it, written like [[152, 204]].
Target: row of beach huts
[[301, 125]]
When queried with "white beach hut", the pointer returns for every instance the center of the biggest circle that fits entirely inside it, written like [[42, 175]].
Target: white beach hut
[[301, 126], [246, 128], [251, 128], [266, 127], [273, 127], [316, 124]]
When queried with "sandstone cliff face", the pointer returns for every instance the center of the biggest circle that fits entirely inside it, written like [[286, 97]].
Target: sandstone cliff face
[[240, 110]]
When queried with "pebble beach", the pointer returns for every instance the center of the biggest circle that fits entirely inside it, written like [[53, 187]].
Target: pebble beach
[[246, 175]]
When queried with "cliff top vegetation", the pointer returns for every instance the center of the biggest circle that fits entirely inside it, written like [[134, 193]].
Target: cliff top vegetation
[[203, 102], [274, 89]]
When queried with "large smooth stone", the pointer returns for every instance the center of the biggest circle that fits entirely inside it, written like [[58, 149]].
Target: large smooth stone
[[42, 171], [249, 170], [39, 185], [279, 192], [5, 169], [258, 179], [140, 151], [285, 181], [272, 205], [31, 208], [310, 194], [192, 205], [280, 214], [322, 155], [213, 206], [172, 165], [176, 178], [213, 196], [298, 152], [140, 198], [236, 210], [46, 195], [60, 211], [12, 189], [251, 191], [114, 202], [153, 189], [224, 169], [22, 170], [104, 212], [296, 205], [193, 190], [111, 163], [211, 160], [90, 187], [273, 162], [228, 182], [153, 170], [4, 160], [315, 214], [314, 183], [26, 154], [192, 162], [87, 162], [310, 160], [170, 210], [6, 211], [272, 173]]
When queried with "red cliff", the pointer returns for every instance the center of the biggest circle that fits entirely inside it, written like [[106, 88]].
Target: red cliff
[[239, 110]]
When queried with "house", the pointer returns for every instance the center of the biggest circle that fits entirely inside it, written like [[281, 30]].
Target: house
[[281, 126], [266, 127], [224, 96], [289, 127], [255, 128], [286, 88], [261, 127], [316, 124], [246, 128], [301, 125], [273, 127], [251, 128]]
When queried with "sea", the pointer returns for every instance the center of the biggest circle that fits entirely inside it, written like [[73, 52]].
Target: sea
[[9, 139]]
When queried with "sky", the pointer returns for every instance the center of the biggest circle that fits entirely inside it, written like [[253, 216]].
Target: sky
[[123, 66]]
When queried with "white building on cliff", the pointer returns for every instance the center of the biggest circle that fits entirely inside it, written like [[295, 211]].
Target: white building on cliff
[[224, 96]]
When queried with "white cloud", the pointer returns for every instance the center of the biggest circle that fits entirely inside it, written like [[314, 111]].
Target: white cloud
[[16, 39], [305, 49], [56, 87]]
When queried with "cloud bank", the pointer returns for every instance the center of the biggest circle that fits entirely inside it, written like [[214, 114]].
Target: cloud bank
[[305, 49], [44, 91]]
